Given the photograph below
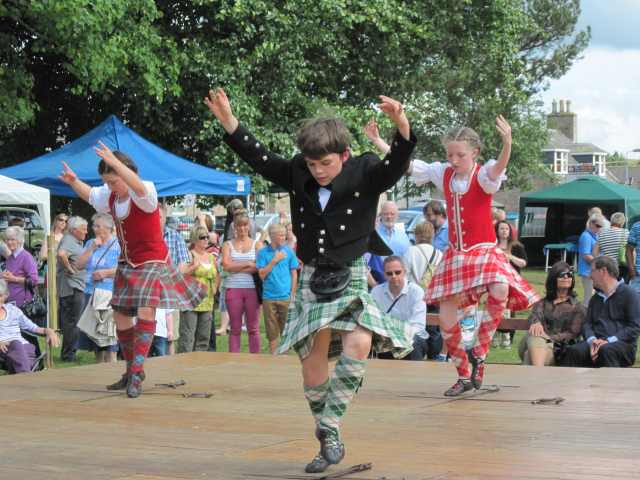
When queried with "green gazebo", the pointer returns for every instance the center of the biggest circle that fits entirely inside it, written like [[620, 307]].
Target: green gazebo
[[558, 214]]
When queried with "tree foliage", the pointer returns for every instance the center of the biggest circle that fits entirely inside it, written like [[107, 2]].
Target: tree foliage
[[66, 65]]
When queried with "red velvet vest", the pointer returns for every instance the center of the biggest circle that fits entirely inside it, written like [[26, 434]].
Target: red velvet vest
[[469, 213], [139, 234]]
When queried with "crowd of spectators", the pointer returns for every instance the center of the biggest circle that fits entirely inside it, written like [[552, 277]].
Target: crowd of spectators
[[250, 273]]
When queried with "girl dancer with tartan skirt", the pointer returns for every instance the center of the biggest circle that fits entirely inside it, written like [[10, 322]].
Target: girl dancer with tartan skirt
[[472, 264], [334, 197], [145, 279]]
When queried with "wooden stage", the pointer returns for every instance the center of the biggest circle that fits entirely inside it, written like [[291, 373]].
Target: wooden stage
[[62, 424]]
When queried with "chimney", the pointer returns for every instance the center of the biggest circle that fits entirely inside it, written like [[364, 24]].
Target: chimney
[[563, 119]]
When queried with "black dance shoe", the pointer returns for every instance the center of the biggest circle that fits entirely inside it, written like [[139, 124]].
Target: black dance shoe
[[122, 383], [459, 388], [318, 465]]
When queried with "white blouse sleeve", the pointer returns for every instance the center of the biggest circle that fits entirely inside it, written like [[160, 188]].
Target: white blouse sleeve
[[99, 198], [488, 185], [423, 172], [148, 202]]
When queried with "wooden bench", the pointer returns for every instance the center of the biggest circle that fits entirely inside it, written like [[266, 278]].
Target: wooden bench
[[506, 324]]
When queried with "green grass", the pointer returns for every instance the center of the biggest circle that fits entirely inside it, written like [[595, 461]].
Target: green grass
[[535, 276]]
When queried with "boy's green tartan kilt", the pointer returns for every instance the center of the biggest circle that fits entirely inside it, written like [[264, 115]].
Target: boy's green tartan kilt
[[354, 307]]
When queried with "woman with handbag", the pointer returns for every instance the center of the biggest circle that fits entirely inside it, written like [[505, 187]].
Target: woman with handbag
[[21, 269], [421, 261], [239, 259], [555, 321], [100, 259]]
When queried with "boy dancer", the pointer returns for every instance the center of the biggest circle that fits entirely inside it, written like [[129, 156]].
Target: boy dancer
[[334, 196]]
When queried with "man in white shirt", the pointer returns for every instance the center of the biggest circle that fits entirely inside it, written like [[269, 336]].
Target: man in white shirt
[[405, 301]]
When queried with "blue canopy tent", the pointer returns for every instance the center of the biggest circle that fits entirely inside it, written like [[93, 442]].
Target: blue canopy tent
[[171, 174]]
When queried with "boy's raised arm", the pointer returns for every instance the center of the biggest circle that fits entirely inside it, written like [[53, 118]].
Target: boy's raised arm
[[219, 104], [395, 111]]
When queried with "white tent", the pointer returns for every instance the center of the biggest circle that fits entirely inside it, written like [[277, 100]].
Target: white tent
[[15, 192]]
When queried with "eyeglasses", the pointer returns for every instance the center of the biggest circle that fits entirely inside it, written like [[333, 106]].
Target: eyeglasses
[[203, 237], [391, 273], [565, 275]]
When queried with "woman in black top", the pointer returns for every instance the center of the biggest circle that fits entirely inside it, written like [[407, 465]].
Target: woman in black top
[[555, 320]]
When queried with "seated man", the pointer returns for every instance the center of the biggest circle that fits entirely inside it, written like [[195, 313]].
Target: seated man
[[17, 353], [612, 325], [405, 301]]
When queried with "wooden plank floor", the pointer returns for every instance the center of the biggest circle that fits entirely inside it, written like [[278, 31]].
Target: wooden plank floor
[[62, 424]]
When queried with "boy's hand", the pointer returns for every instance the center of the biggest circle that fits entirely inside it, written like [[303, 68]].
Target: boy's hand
[[279, 256], [220, 106], [504, 129], [371, 130], [395, 111], [68, 176]]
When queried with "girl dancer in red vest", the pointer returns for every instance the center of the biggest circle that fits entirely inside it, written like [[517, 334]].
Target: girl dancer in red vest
[[145, 279], [472, 264]]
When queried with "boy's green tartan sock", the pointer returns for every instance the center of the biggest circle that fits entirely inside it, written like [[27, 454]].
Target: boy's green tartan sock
[[345, 382], [316, 397]]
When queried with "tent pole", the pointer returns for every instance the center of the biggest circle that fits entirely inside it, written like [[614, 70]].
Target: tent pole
[[52, 295]]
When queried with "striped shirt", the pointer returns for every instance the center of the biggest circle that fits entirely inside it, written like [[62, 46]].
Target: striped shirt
[[610, 241], [241, 279]]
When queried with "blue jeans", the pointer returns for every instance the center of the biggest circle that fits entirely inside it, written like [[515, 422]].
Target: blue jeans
[[159, 347]]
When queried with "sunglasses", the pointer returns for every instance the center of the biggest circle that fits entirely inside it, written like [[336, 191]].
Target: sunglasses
[[203, 237], [62, 219], [565, 275], [391, 273]]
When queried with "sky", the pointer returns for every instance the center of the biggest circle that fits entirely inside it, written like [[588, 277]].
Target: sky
[[604, 86]]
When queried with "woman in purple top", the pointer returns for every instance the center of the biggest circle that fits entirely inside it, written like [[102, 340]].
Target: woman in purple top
[[16, 353], [20, 266]]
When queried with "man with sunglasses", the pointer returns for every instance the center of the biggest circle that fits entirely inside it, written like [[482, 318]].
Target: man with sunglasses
[[612, 324], [405, 301], [587, 241]]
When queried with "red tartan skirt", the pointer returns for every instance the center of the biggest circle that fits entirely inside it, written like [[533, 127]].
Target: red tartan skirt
[[155, 284], [467, 275]]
